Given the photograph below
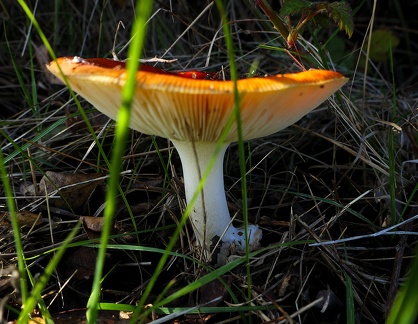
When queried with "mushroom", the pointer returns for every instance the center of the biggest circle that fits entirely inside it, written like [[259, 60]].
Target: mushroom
[[192, 111]]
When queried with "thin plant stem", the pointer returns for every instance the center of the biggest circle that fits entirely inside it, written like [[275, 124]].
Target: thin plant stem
[[143, 11]]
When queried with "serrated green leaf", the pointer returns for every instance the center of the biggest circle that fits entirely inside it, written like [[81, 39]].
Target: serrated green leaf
[[341, 13], [293, 7]]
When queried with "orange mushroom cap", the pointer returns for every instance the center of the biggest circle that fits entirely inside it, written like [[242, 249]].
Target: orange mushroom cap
[[187, 109]]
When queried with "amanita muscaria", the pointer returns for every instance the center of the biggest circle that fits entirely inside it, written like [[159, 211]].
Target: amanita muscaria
[[192, 112]]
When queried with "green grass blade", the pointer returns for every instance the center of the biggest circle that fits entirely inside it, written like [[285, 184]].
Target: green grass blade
[[143, 11], [349, 302], [405, 307], [21, 264]]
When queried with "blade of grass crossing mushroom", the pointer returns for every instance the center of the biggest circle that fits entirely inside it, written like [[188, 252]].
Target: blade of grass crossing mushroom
[[241, 150], [143, 11]]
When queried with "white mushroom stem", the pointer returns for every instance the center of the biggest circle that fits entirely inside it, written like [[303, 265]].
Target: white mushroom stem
[[210, 216]]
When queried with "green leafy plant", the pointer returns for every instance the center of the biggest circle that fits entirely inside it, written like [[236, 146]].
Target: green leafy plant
[[315, 14]]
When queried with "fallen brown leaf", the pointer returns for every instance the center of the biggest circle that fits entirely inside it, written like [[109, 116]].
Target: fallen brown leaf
[[92, 225], [74, 189], [26, 218]]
